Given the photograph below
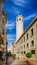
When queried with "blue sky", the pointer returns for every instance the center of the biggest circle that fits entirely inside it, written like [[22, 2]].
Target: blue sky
[[13, 8]]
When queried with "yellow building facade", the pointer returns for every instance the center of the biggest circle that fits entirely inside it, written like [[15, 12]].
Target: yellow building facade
[[2, 34]]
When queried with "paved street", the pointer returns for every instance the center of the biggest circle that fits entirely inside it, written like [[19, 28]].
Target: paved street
[[10, 60], [20, 62]]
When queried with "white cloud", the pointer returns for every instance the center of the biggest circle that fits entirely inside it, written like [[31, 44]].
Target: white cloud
[[31, 16], [10, 25], [20, 2], [10, 37]]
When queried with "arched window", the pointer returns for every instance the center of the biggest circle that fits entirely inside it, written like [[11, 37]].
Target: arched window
[[27, 45], [17, 19], [20, 19]]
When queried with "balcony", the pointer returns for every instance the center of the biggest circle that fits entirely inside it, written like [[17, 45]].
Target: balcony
[[3, 47]]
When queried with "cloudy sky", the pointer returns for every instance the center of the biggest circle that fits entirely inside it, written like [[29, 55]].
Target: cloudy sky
[[13, 8]]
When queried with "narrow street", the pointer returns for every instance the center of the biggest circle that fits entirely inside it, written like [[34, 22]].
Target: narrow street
[[18, 32], [16, 62], [9, 62], [19, 62]]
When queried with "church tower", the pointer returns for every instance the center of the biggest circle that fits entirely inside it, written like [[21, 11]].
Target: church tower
[[19, 26]]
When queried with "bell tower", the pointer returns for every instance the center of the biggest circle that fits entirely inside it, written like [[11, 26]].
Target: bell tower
[[19, 26]]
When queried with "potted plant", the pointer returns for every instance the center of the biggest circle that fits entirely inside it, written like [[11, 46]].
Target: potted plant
[[28, 55]]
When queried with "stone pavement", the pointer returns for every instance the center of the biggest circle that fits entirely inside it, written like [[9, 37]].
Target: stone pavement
[[34, 62], [22, 62], [19, 62]]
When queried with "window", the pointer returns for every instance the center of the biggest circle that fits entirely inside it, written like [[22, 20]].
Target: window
[[24, 39], [1, 26], [3, 31], [24, 52], [32, 32], [27, 45], [19, 18], [2, 42], [36, 28], [27, 36], [3, 21], [24, 46], [21, 41], [32, 43], [33, 51]]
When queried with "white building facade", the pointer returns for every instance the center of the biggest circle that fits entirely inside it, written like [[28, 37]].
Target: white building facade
[[28, 41]]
